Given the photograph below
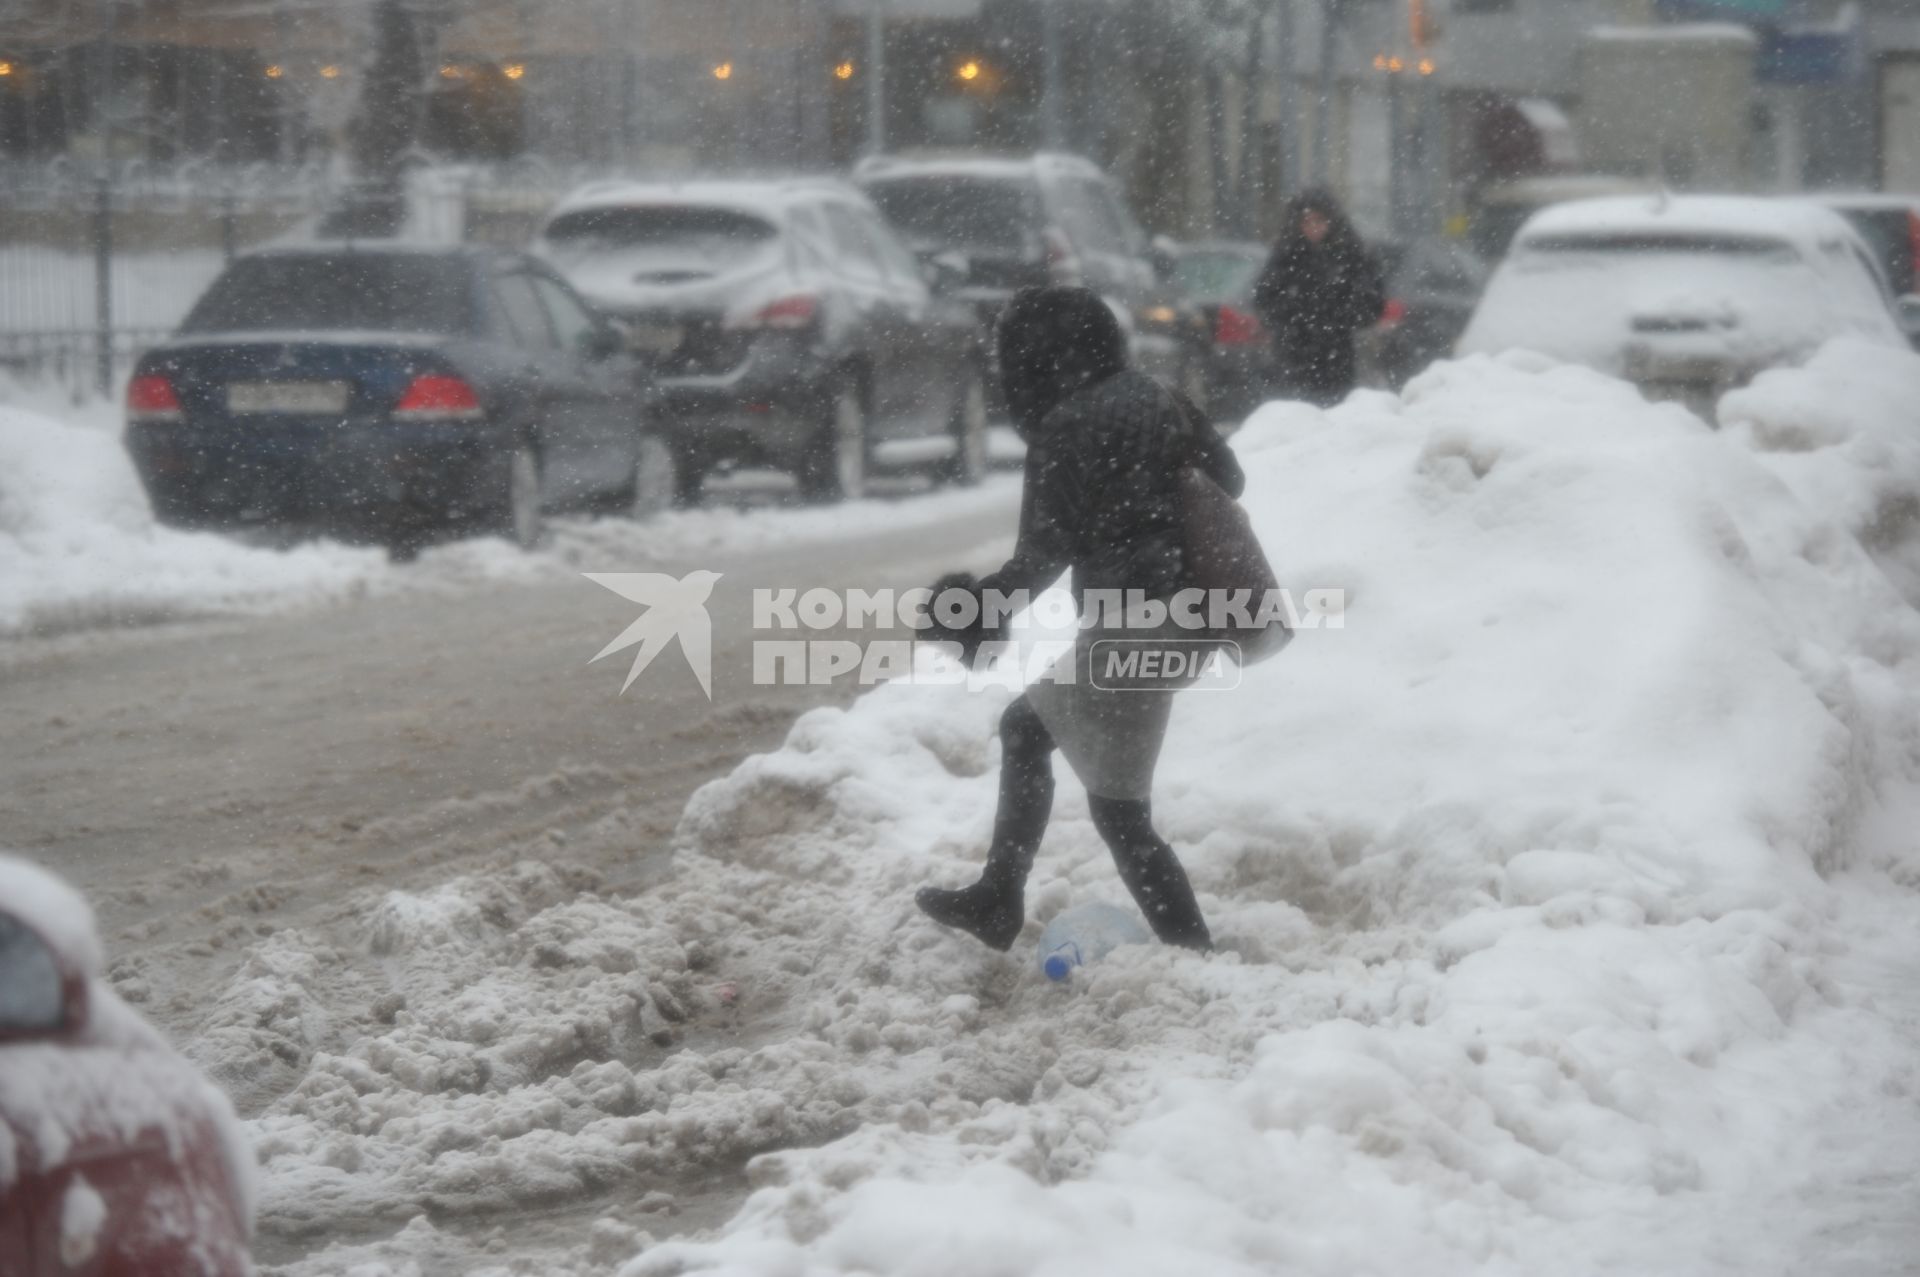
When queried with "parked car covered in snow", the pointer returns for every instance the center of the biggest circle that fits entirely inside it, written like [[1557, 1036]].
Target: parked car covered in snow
[[786, 324], [1686, 296], [392, 390], [117, 1158]]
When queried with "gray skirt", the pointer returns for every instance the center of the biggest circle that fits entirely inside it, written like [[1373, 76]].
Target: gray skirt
[[1109, 721]]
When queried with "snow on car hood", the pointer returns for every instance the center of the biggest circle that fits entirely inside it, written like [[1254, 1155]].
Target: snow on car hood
[[59, 913], [112, 1083], [1541, 888]]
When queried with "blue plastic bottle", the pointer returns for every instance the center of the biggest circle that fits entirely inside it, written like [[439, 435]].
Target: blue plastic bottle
[[1085, 934]]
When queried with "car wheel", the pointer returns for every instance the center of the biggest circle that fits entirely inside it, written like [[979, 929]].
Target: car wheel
[[512, 508], [835, 466], [968, 465], [176, 511], [689, 478], [656, 478]]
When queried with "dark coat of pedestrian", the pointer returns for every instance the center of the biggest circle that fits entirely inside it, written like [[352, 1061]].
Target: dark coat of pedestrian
[[1106, 446], [1320, 286]]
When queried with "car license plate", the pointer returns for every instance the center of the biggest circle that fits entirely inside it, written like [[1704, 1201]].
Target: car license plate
[[294, 398], [655, 339]]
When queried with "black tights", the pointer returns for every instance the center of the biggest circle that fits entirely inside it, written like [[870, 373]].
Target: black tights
[[1146, 863]]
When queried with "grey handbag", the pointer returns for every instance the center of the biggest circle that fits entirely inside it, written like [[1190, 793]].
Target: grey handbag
[[1223, 555]]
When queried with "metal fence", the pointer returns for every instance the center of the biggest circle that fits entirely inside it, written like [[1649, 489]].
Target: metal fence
[[93, 272]]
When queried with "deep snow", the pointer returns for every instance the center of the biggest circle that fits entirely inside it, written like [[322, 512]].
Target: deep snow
[[1565, 899]]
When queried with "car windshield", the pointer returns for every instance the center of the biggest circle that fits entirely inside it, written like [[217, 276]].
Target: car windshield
[[979, 214], [344, 291], [1209, 276]]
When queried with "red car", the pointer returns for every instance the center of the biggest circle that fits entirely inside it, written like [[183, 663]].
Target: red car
[[117, 1158]]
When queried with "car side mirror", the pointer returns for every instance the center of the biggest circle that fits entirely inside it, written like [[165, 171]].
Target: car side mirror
[[1908, 310], [42, 993]]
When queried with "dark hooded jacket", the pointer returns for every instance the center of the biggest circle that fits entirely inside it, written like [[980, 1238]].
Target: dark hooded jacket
[[1314, 297], [1104, 445]]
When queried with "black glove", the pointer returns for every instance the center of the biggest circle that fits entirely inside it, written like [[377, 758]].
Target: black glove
[[976, 631]]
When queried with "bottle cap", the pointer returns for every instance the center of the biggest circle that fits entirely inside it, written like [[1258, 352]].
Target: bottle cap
[[1058, 966]]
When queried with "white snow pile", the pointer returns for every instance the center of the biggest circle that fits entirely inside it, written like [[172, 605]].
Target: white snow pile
[[1844, 433], [1537, 885], [79, 547], [1565, 900]]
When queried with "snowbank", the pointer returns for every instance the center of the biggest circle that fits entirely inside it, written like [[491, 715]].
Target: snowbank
[[79, 547], [1529, 880], [1550, 893], [1844, 433]]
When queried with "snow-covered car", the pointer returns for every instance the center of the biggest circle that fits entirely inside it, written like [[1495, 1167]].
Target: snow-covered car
[[1686, 296], [787, 326], [392, 389], [117, 1158]]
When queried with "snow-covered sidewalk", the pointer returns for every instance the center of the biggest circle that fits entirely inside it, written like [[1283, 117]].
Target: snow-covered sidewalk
[[79, 547], [1567, 898]]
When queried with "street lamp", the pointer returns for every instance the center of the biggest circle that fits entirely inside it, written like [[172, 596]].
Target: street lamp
[[876, 78]]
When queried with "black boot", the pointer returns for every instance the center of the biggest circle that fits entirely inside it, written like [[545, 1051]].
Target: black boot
[[993, 915], [994, 909], [1152, 872]]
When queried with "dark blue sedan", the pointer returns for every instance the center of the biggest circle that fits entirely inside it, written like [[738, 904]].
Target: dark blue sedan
[[393, 392]]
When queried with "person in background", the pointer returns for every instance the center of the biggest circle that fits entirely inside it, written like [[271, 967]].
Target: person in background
[[1105, 445], [1319, 287]]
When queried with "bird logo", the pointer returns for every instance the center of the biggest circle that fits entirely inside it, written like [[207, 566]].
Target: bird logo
[[675, 608]]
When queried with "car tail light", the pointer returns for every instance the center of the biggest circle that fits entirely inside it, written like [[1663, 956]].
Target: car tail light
[[789, 312], [1913, 250], [152, 398], [1233, 327], [1063, 264], [437, 396], [1393, 314]]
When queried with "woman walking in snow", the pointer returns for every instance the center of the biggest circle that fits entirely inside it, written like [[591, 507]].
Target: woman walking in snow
[[1319, 288], [1105, 448]]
